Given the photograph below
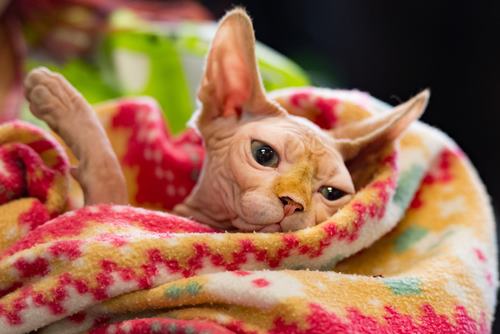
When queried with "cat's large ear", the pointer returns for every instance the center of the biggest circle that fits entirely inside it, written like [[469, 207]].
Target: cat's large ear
[[376, 131], [231, 83]]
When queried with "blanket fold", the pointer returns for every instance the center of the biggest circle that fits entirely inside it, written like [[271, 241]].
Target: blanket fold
[[413, 252], [33, 180]]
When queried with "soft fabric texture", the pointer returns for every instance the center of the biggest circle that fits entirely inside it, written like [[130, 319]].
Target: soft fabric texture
[[120, 269]]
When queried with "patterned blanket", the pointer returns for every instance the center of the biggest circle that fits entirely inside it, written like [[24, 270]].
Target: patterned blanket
[[125, 269]]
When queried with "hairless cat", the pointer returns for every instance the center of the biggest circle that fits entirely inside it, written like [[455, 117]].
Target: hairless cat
[[269, 171]]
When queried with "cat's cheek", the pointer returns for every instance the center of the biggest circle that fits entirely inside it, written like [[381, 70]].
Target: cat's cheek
[[321, 214], [324, 209], [321, 210], [260, 207]]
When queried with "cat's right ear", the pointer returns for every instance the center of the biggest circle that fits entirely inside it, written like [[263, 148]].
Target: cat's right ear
[[231, 84]]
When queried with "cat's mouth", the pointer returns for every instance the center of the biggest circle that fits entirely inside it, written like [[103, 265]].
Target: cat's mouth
[[243, 225], [285, 224]]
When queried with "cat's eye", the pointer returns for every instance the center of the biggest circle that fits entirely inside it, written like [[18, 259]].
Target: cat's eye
[[331, 193], [264, 154]]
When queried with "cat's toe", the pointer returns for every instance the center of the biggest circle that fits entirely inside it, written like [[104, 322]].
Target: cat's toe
[[35, 77], [53, 98]]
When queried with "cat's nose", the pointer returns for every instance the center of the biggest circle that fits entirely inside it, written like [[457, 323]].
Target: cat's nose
[[290, 206]]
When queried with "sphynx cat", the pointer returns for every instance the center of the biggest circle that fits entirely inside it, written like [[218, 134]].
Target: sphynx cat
[[265, 170]]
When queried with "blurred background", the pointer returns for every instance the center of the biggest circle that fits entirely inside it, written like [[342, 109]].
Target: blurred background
[[391, 49]]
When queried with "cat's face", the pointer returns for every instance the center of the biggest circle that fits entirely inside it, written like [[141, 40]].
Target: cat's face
[[266, 170], [280, 172]]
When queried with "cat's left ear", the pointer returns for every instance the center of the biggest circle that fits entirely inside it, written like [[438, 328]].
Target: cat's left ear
[[376, 131], [231, 83]]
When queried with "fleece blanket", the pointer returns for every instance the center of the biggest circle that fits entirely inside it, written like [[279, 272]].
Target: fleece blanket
[[413, 252]]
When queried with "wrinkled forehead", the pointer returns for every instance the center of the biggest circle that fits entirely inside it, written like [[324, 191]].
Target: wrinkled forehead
[[297, 139]]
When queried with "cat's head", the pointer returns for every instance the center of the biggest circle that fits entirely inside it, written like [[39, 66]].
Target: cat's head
[[267, 170]]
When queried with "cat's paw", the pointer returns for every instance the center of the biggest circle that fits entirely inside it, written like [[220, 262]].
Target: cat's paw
[[53, 99]]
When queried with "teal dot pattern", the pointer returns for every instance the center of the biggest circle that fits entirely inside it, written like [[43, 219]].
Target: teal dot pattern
[[409, 237], [403, 286]]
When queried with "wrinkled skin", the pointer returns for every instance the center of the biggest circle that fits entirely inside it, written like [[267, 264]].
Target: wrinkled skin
[[251, 192]]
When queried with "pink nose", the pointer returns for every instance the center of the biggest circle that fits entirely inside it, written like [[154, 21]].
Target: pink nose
[[290, 206]]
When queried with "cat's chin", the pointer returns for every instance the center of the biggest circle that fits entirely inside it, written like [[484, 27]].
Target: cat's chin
[[287, 224], [271, 228], [242, 225]]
